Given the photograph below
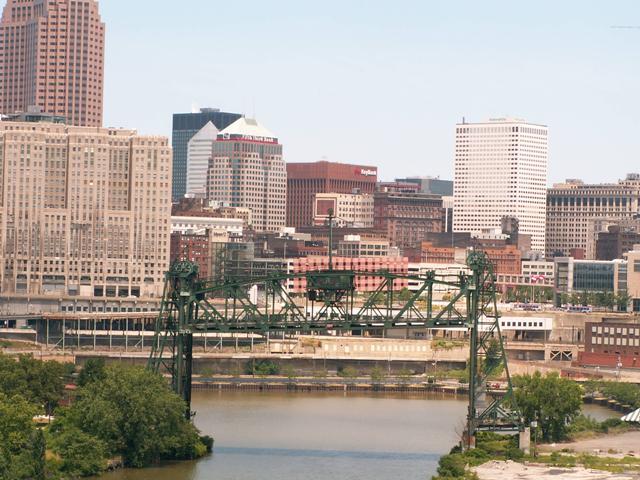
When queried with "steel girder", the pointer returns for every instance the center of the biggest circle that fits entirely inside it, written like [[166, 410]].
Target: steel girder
[[193, 305]]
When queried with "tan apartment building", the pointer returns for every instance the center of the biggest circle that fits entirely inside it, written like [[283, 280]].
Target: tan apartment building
[[247, 170], [576, 210], [84, 212], [52, 57], [349, 209], [354, 246]]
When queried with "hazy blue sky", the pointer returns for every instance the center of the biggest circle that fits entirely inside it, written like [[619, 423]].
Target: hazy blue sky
[[384, 82]]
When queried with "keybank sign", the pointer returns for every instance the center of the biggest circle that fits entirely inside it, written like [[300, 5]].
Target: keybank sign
[[368, 173]]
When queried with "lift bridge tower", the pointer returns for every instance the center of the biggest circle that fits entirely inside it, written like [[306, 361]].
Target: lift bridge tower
[[194, 306]]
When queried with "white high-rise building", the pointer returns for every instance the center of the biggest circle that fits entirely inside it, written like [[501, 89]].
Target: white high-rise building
[[199, 150], [500, 170], [247, 171]]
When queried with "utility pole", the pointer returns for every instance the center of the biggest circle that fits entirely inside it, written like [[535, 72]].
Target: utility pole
[[331, 239]]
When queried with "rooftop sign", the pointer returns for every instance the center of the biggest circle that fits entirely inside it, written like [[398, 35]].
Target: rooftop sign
[[367, 172]]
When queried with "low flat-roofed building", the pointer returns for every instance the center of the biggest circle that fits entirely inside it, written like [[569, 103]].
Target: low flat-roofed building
[[232, 226], [611, 343]]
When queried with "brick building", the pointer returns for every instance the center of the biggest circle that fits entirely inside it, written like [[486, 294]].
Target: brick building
[[615, 242], [52, 57], [305, 180], [611, 342], [194, 247], [407, 217], [506, 259], [399, 265]]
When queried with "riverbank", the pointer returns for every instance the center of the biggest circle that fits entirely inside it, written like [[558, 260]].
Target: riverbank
[[329, 384], [626, 443], [510, 470]]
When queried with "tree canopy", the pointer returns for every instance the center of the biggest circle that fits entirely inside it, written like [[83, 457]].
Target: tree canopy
[[551, 400], [119, 411], [21, 453], [131, 412], [40, 383]]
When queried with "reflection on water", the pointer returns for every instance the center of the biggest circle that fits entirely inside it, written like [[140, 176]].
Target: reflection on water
[[317, 436], [270, 436]]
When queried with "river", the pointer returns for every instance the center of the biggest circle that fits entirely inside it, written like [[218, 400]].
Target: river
[[269, 436]]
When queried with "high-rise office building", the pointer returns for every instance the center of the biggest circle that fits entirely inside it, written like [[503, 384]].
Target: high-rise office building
[[577, 212], [84, 213], [199, 151], [185, 126], [501, 170], [304, 180], [52, 57], [247, 171]]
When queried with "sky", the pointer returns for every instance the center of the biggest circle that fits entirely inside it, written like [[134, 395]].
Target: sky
[[384, 83]]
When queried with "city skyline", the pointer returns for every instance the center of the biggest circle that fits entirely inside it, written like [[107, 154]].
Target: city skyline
[[417, 70]]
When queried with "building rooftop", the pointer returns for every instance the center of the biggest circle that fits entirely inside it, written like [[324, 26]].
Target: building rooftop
[[33, 114], [209, 131], [248, 128]]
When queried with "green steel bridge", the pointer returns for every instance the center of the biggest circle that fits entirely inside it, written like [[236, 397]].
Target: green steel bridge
[[191, 304]]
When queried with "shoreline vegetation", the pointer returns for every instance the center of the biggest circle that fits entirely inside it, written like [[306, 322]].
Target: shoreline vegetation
[[112, 416], [554, 403]]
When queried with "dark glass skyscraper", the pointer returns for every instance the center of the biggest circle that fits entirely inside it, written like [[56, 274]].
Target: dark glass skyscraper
[[185, 126]]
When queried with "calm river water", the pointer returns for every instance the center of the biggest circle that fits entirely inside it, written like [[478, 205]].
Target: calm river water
[[269, 436]]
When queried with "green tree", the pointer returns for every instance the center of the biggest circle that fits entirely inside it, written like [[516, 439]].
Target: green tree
[[493, 358], [551, 400], [41, 383], [261, 367], [347, 372], [546, 294], [404, 295], [586, 298], [81, 454], [574, 299], [622, 300], [132, 413], [379, 298], [39, 454], [94, 370], [377, 375], [20, 453]]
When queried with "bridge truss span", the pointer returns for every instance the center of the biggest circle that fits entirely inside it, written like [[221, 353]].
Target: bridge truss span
[[330, 301]]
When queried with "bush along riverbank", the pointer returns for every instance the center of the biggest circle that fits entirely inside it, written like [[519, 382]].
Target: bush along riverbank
[[119, 415], [554, 403]]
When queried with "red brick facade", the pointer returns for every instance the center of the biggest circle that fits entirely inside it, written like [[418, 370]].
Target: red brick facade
[[506, 259], [407, 217], [607, 343], [192, 247], [399, 265], [304, 180]]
